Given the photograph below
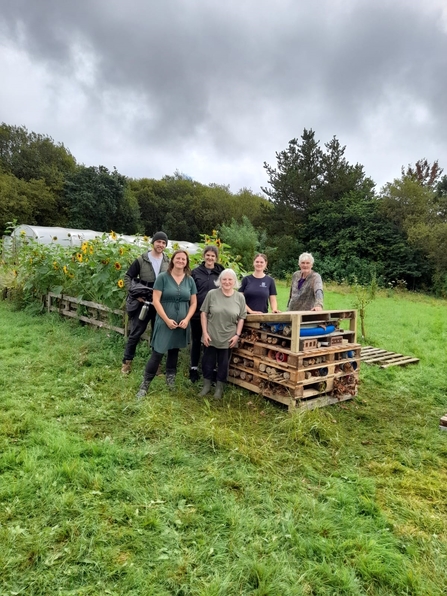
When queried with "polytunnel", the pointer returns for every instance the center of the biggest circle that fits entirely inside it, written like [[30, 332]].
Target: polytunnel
[[72, 237]]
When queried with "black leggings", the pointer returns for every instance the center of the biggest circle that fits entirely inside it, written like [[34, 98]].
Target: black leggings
[[196, 341], [156, 358], [212, 355]]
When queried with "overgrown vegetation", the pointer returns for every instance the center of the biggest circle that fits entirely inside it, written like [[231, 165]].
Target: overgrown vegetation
[[317, 201], [93, 271], [188, 497]]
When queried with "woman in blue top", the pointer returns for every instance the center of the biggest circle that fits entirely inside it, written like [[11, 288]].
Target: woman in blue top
[[259, 289], [175, 301]]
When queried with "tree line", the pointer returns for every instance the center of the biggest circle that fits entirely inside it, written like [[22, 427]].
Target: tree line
[[315, 200]]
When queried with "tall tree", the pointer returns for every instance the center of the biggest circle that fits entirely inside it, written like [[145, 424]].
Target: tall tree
[[424, 173], [98, 199]]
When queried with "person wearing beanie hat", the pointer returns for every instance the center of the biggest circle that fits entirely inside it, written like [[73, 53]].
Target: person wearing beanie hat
[[143, 270], [160, 236]]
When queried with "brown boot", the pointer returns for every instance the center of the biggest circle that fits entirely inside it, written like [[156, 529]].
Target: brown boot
[[127, 367]]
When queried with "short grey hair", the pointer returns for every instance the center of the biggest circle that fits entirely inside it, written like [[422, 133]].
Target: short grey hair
[[306, 256], [227, 272]]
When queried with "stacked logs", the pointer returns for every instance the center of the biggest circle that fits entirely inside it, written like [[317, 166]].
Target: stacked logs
[[274, 375], [345, 385]]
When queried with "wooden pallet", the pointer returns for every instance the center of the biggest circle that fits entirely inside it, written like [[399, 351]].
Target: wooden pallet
[[371, 355], [309, 400]]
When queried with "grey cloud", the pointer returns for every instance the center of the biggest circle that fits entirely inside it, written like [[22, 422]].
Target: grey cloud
[[218, 70]]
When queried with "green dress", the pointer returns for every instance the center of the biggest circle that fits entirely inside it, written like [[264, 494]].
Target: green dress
[[175, 300]]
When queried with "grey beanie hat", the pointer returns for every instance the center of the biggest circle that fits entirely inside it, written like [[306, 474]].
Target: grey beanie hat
[[159, 236]]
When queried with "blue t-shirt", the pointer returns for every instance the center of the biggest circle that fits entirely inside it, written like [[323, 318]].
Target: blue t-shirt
[[257, 291]]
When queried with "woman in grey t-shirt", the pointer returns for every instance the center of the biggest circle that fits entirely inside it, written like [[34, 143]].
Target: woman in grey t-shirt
[[222, 316]]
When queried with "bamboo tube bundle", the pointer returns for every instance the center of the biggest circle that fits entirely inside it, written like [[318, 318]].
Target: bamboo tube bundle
[[287, 330], [243, 375], [264, 336], [262, 367]]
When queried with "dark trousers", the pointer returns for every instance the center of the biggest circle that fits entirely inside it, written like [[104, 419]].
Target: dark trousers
[[137, 328], [155, 359], [213, 356], [196, 341]]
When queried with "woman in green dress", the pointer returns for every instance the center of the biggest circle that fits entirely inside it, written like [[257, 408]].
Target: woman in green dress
[[175, 301]]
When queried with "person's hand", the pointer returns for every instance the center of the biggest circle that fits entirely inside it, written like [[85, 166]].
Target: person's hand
[[172, 324], [206, 340], [233, 341], [317, 308], [255, 312], [276, 311], [140, 299], [183, 324]]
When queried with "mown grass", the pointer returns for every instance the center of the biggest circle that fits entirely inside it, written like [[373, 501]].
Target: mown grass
[[99, 495]]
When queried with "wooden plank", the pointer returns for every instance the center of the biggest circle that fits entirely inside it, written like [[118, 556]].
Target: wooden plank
[[321, 402], [95, 305], [383, 357], [74, 315], [402, 362], [244, 384]]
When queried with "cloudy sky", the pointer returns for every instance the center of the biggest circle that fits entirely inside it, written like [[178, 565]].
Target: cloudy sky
[[213, 88]]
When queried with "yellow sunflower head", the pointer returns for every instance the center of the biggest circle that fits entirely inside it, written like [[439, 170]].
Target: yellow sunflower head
[[117, 266], [120, 283], [79, 256], [121, 250], [113, 235], [65, 269], [55, 265]]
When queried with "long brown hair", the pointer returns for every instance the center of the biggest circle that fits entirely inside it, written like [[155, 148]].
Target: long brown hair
[[187, 269]]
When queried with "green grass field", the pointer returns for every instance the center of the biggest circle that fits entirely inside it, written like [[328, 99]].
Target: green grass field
[[182, 496]]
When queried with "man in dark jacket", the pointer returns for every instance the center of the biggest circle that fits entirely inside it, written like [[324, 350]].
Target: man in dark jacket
[[144, 270], [204, 275]]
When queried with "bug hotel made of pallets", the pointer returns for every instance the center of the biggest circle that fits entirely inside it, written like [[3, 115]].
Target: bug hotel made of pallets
[[279, 357]]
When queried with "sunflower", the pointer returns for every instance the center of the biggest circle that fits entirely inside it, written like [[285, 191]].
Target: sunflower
[[55, 265], [71, 275], [121, 250], [120, 283], [105, 261], [146, 239], [65, 269], [218, 243], [117, 266], [79, 256], [113, 235], [84, 247], [91, 249]]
